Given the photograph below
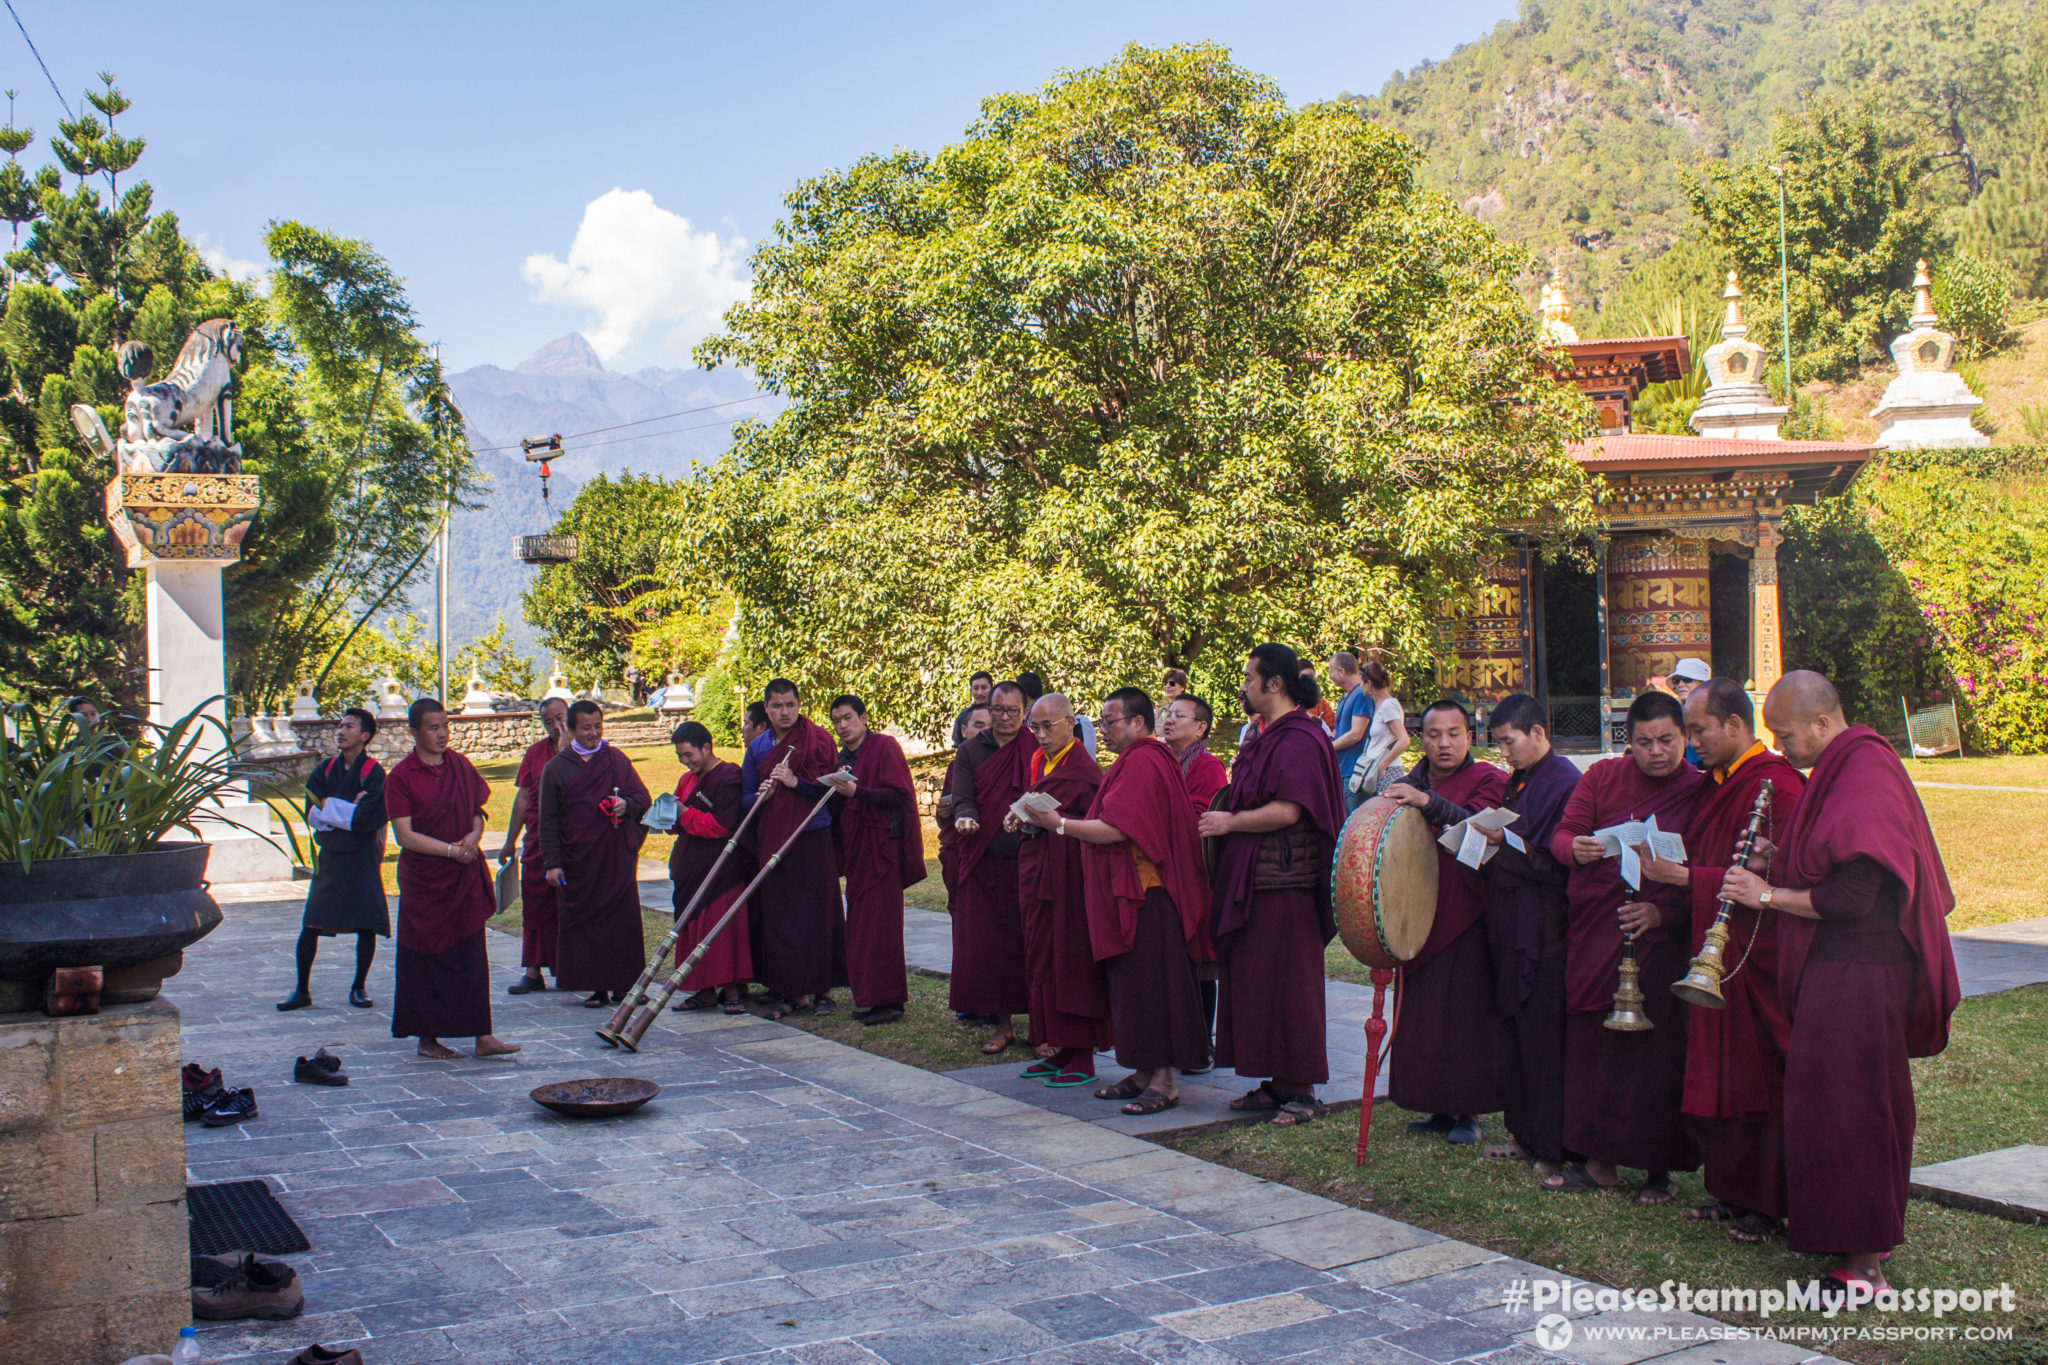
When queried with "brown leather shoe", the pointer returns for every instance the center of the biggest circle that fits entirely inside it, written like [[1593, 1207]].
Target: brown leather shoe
[[255, 1290], [316, 1354]]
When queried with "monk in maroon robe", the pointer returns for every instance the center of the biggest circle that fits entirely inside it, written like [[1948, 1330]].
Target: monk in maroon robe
[[1865, 971], [1147, 898], [1446, 1053], [1069, 998], [1526, 918], [708, 812], [1622, 1090], [1279, 820], [988, 927], [1735, 1057], [537, 923], [972, 723], [591, 801], [799, 929], [1184, 728], [881, 850], [436, 801]]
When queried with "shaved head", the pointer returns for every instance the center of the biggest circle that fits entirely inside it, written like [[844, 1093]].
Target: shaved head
[[1052, 723], [1050, 705], [1804, 711]]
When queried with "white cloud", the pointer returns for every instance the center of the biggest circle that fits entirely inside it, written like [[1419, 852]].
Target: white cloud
[[637, 268], [234, 267]]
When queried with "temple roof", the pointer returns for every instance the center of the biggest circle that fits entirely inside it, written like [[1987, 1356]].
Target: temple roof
[[1632, 363], [1814, 468]]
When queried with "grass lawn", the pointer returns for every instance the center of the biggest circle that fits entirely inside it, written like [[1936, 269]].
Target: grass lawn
[[1987, 1091]]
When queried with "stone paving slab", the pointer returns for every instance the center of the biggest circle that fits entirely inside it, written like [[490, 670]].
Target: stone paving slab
[[2009, 1183], [784, 1201]]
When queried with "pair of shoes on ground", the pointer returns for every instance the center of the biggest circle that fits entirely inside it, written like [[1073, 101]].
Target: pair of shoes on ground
[[879, 1014], [301, 998], [322, 1068], [1462, 1129], [526, 985], [209, 1100], [243, 1285], [597, 1000]]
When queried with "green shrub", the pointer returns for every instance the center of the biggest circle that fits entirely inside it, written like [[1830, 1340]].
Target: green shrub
[[720, 707], [1973, 298]]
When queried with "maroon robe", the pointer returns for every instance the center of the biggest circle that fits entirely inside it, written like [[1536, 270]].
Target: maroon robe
[[881, 851], [1623, 1090], [1526, 915], [1868, 985], [1203, 774], [537, 923], [798, 928], [1735, 1057], [443, 987], [1069, 998], [949, 838], [1270, 1017], [1149, 931], [600, 946], [988, 926], [708, 810], [1446, 1052]]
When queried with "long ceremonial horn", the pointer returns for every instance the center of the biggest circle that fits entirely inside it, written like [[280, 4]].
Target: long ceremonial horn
[[609, 1033], [629, 1037]]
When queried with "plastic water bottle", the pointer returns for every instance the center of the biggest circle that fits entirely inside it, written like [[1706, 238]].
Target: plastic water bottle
[[188, 1348]]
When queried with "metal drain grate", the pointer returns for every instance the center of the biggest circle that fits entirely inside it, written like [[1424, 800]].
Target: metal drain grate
[[240, 1215]]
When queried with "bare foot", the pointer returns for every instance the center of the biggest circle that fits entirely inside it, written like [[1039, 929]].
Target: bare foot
[[439, 1052], [491, 1045]]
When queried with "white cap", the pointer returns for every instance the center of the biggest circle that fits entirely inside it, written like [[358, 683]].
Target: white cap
[[1694, 669]]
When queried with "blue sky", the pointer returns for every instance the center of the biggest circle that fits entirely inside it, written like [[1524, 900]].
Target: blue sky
[[479, 146]]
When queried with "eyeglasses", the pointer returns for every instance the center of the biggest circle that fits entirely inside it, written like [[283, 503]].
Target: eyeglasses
[[1041, 727], [1006, 710]]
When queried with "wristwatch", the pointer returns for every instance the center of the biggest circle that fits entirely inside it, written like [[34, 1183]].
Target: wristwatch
[[1765, 898], [1061, 828]]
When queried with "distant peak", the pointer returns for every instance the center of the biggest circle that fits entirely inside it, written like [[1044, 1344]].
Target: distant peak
[[561, 356]]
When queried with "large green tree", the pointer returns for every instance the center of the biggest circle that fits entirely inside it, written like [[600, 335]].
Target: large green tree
[[635, 543], [1857, 216], [1957, 66], [1146, 368]]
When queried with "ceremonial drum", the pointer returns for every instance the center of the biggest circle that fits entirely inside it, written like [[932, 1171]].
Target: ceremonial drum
[[1384, 882]]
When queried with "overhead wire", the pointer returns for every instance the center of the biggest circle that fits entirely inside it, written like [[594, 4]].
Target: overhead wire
[[639, 422], [66, 104]]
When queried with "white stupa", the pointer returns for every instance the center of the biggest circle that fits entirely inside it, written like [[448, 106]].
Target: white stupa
[[676, 697], [558, 685], [1736, 404], [305, 706], [391, 703], [478, 701], [1928, 406]]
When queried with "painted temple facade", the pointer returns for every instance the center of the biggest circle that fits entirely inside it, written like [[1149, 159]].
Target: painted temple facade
[[1677, 509]]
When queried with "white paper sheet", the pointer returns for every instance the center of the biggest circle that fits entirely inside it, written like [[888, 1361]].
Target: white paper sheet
[[1031, 801], [333, 813], [1466, 840], [1631, 867], [1663, 843], [1514, 841], [1617, 837], [661, 816]]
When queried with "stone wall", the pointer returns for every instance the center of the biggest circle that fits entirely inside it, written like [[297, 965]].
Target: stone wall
[[93, 1250], [483, 739]]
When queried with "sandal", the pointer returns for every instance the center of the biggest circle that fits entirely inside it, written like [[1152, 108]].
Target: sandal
[[1753, 1227], [1039, 1070], [1506, 1151], [701, 1000], [1067, 1080], [1259, 1099], [1656, 1192], [992, 1046], [1834, 1287], [825, 1005], [732, 1007], [1125, 1089], [1575, 1178], [1299, 1110], [1720, 1211], [782, 1009], [1150, 1102]]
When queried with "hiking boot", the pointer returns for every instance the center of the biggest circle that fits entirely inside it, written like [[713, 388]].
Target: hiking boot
[[230, 1108], [255, 1290], [310, 1071], [210, 1271], [203, 1090]]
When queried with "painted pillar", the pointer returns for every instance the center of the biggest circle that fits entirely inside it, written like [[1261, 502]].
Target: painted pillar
[[1606, 643], [1766, 646], [1660, 600], [1485, 648]]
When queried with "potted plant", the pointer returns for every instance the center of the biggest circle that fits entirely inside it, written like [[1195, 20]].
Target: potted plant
[[89, 875]]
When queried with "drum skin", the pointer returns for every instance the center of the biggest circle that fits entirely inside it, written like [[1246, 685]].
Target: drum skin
[[1384, 882]]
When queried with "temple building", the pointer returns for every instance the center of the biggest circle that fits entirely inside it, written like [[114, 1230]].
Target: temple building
[[1685, 564]]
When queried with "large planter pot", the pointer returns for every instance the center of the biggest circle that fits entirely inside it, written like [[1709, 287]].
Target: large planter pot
[[132, 914]]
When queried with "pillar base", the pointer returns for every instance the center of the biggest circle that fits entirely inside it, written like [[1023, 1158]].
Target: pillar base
[[241, 855]]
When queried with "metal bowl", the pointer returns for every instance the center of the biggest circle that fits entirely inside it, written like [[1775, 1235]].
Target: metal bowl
[[595, 1097]]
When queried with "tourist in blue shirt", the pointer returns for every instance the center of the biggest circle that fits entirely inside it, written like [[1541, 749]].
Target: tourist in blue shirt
[[1354, 715]]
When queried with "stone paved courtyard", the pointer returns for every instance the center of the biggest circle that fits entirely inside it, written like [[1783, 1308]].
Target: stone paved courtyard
[[785, 1201]]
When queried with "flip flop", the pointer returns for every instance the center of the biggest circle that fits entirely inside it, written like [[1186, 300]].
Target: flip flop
[[732, 1007], [1039, 1070], [1067, 1080], [1574, 1178], [783, 1010], [1125, 1089], [1506, 1151], [1151, 1102], [992, 1047]]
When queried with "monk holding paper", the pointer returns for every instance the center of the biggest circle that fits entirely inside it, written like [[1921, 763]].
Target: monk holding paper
[[1865, 972]]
